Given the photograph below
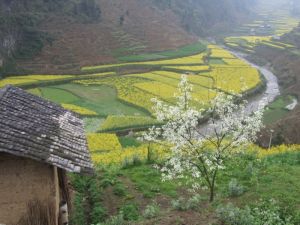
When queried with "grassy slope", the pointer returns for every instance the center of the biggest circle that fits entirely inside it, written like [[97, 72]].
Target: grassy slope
[[286, 67], [276, 110], [141, 185]]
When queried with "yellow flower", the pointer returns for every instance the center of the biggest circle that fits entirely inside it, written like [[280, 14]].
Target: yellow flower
[[79, 110], [103, 142]]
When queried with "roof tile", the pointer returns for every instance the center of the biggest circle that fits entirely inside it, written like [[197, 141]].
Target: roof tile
[[36, 128]]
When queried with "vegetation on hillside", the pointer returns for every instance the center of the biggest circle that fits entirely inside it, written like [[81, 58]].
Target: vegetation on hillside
[[273, 40], [23, 33], [131, 184], [132, 192], [207, 16], [123, 102], [21, 37]]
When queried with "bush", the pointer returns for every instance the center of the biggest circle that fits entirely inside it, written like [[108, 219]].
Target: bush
[[115, 220], [230, 215], [130, 211], [179, 204], [267, 212], [79, 213], [119, 190], [193, 202], [129, 142], [183, 204], [98, 213], [135, 160], [235, 189], [106, 182], [151, 211]]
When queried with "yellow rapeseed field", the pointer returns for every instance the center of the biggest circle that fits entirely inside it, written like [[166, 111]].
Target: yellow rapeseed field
[[122, 122], [253, 41], [221, 53], [99, 143], [31, 79], [189, 68], [234, 63], [195, 79], [281, 149], [158, 77], [250, 39], [235, 79], [129, 154], [79, 110], [126, 90], [35, 79], [197, 59], [106, 149], [158, 89]]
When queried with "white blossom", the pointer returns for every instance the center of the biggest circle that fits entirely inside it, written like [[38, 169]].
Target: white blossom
[[201, 152]]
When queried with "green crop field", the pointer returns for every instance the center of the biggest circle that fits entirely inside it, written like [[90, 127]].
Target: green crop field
[[277, 109], [102, 99], [110, 94], [180, 52], [58, 95]]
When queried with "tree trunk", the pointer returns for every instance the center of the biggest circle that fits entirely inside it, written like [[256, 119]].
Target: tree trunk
[[212, 194], [212, 187]]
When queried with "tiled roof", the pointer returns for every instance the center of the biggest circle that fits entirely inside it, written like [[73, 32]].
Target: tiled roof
[[35, 128]]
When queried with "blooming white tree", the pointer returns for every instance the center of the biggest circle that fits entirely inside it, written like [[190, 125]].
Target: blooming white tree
[[200, 152]]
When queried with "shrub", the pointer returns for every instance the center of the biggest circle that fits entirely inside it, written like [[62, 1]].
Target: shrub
[[179, 204], [234, 188], [193, 202], [148, 194], [267, 212], [98, 213], [136, 160], [78, 214], [230, 215], [151, 211], [119, 190], [106, 182], [115, 220], [130, 211], [183, 204], [129, 142]]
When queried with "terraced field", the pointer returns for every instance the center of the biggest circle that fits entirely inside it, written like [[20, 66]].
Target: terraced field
[[107, 149], [267, 31], [197, 59], [110, 101], [114, 102], [102, 100]]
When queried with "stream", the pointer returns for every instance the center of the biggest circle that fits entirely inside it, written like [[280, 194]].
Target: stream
[[272, 87], [269, 94]]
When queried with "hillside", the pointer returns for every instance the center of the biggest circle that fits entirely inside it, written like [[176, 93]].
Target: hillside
[[155, 112], [62, 36], [285, 64]]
